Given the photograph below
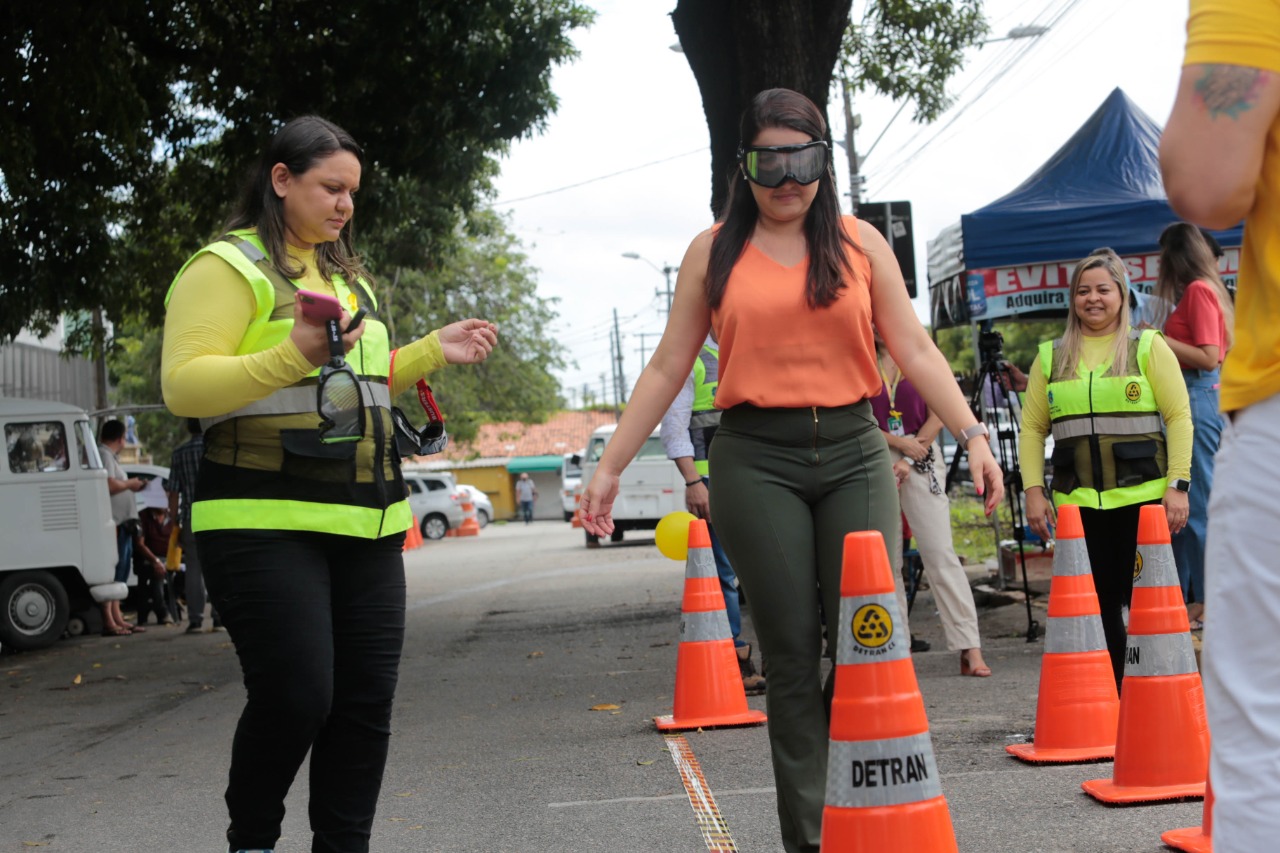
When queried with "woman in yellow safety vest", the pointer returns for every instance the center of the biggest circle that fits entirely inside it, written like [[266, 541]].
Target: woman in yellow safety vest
[[1103, 389], [301, 535]]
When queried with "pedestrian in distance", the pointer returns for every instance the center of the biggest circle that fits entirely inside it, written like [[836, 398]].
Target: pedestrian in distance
[[687, 429], [1220, 163], [151, 541], [526, 494], [1199, 332], [124, 512], [300, 506], [912, 433], [792, 290], [1103, 390]]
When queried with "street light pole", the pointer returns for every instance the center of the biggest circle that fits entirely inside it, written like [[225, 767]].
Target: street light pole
[[665, 269]]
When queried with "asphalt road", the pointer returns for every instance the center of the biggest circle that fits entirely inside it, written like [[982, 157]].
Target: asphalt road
[[122, 744]]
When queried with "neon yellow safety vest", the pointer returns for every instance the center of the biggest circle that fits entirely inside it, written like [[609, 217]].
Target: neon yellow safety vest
[[1109, 445], [704, 420], [352, 488]]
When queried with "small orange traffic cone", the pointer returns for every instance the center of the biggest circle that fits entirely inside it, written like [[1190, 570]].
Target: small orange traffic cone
[[709, 689], [1078, 709], [1196, 839], [883, 791], [413, 536], [577, 511], [1162, 744], [470, 526]]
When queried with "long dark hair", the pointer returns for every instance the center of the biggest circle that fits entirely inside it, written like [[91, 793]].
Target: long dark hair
[[824, 233], [299, 145], [1185, 256]]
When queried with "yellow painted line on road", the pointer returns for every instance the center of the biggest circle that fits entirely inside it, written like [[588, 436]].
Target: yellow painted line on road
[[705, 811]]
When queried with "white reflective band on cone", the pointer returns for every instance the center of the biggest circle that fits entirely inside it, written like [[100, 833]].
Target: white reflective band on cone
[[1074, 634], [869, 630], [1155, 566], [701, 564], [705, 625], [1159, 654], [893, 772], [1070, 558]]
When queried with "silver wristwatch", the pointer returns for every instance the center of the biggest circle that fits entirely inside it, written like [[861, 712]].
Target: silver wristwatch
[[970, 433]]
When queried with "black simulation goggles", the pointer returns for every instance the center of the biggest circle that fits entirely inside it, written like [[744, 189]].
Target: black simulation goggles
[[770, 166], [338, 397], [412, 440]]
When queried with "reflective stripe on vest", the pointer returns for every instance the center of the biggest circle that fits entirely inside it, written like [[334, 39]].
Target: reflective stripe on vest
[[1074, 634], [1159, 654], [1090, 415], [343, 519], [704, 626], [869, 630], [705, 417], [301, 400], [891, 772]]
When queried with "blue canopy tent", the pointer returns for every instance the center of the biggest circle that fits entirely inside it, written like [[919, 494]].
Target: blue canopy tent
[[1013, 257]]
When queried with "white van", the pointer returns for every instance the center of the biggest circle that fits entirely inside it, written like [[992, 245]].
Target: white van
[[55, 520], [571, 482], [649, 488]]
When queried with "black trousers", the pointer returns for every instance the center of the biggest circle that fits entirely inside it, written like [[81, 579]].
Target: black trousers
[[1111, 538], [318, 624]]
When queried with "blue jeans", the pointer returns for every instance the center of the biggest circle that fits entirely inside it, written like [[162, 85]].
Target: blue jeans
[[728, 582], [124, 553], [526, 511], [1188, 544]]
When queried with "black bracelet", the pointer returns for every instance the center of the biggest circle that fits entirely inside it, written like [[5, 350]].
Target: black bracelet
[[693, 483]]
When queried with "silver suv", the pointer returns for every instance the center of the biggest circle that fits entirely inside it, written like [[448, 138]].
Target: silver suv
[[436, 502]]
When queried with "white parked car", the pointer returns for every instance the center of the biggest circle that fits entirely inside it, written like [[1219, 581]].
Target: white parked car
[[436, 502], [147, 473], [479, 500]]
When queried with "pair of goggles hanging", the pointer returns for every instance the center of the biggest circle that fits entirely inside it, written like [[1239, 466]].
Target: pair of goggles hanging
[[770, 166], [338, 396], [412, 440]]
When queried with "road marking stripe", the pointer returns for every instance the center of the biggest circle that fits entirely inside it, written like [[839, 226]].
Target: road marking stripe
[[705, 811], [657, 799]]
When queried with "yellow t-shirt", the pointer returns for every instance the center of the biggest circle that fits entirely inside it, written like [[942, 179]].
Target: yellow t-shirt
[[209, 311], [1166, 382], [1247, 33]]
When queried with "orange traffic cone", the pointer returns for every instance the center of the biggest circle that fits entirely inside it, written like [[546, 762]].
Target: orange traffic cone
[[883, 791], [709, 689], [413, 536], [1077, 710], [577, 511], [1162, 745], [469, 526], [1197, 839]]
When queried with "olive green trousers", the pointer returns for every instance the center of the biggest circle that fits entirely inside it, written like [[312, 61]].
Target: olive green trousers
[[789, 484]]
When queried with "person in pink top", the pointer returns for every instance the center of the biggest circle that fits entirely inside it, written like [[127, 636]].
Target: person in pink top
[[1199, 333]]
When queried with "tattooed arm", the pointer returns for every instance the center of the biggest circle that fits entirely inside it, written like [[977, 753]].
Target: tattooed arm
[[1212, 147]]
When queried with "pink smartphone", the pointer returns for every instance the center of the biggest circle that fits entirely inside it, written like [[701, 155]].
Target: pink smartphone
[[319, 307]]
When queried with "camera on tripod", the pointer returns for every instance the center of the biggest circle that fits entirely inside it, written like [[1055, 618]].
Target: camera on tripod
[[991, 346]]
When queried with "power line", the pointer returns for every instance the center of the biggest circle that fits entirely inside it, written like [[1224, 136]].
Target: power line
[[600, 178]]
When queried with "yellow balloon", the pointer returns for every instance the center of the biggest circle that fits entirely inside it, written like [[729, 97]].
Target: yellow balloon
[[672, 534]]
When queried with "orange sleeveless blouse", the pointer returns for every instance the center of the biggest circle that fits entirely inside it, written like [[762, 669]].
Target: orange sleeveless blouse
[[777, 352]]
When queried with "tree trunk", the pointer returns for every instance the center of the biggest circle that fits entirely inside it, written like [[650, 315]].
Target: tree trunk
[[737, 48]]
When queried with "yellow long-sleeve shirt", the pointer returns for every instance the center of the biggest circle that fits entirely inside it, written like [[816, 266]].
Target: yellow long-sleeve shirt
[[1166, 382], [209, 310]]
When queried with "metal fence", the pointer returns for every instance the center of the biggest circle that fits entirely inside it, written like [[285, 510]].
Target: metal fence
[[43, 374]]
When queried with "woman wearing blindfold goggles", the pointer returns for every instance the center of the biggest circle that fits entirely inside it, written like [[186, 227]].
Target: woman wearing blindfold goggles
[[792, 290], [274, 341]]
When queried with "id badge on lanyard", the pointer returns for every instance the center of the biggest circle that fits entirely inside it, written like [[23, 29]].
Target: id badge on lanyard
[[895, 423]]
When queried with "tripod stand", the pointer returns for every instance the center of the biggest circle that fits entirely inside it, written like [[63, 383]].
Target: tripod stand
[[998, 412]]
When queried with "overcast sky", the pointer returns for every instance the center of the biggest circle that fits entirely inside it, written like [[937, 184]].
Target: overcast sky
[[624, 165]]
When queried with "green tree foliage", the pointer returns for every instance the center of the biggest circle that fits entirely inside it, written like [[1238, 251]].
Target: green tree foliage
[[1021, 340], [488, 276], [909, 49], [125, 126], [899, 48]]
